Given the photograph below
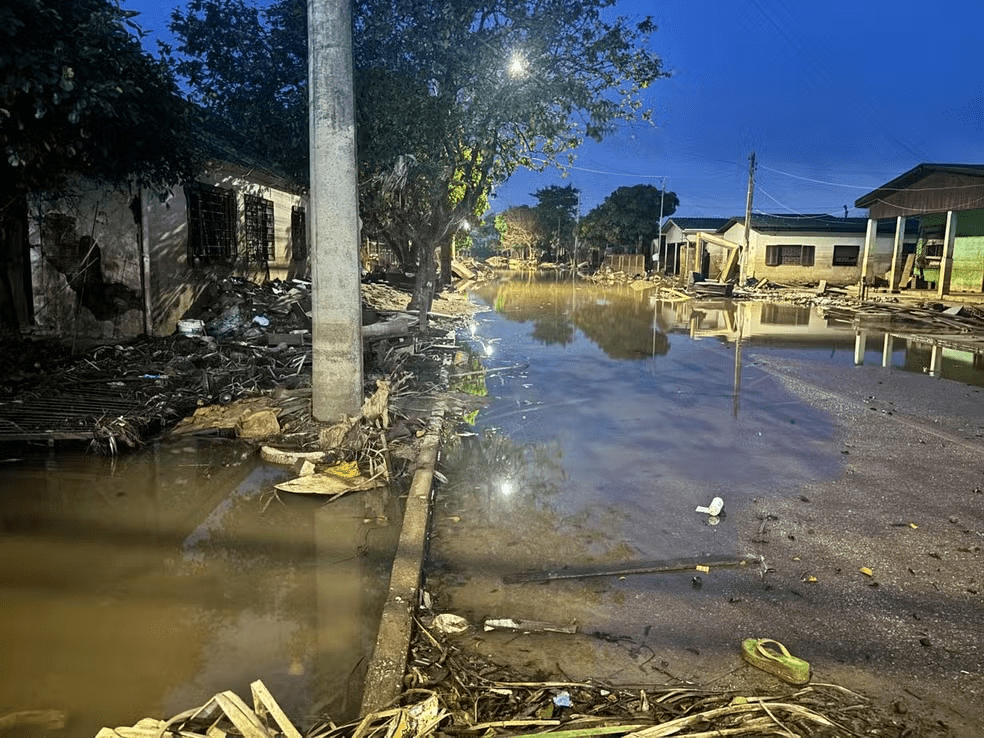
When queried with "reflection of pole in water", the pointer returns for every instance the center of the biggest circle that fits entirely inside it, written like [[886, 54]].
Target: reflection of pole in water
[[936, 361], [860, 340], [737, 388], [887, 351]]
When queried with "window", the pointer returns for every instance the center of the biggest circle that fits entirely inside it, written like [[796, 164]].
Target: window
[[211, 222], [258, 229], [783, 255], [298, 234], [846, 256]]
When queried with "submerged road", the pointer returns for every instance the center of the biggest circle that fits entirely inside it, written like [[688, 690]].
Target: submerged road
[[856, 487]]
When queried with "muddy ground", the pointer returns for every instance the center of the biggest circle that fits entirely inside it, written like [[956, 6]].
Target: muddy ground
[[874, 577]]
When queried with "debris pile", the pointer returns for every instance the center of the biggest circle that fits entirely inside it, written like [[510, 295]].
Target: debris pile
[[477, 697]]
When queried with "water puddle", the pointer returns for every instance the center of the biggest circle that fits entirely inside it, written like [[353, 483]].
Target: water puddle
[[141, 586]]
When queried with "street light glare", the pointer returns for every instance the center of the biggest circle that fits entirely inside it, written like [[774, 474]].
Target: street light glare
[[517, 66]]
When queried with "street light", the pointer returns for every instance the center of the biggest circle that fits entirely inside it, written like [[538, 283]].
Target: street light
[[517, 65]]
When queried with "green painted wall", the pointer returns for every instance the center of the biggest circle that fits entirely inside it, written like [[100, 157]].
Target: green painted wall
[[968, 251]]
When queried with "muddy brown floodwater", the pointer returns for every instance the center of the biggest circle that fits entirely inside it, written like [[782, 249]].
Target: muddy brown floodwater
[[613, 414], [141, 586]]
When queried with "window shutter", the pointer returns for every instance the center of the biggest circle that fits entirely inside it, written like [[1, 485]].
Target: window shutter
[[771, 255]]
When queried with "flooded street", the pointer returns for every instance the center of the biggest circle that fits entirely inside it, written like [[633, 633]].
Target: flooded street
[[141, 586], [613, 414]]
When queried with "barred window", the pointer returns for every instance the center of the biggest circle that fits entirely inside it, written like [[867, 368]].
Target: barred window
[[789, 255], [258, 230], [846, 256], [298, 234], [211, 222]]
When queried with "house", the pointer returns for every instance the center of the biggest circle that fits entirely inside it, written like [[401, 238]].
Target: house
[[801, 249], [109, 263], [949, 200], [678, 236]]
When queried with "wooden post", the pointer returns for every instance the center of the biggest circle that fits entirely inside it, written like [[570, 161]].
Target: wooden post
[[887, 347], [893, 279], [869, 240], [946, 263]]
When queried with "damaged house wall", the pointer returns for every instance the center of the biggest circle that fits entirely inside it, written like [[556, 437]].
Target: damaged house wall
[[85, 264], [95, 248], [968, 250]]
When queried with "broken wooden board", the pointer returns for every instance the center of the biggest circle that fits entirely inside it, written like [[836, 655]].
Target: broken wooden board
[[264, 704], [222, 716], [646, 567], [289, 458], [910, 261]]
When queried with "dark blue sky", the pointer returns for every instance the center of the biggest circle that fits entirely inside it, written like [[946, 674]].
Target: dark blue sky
[[836, 97]]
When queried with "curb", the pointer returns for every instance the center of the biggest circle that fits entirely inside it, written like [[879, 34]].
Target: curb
[[387, 666]]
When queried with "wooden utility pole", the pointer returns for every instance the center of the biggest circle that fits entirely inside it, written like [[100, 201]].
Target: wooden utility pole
[[334, 223], [748, 218]]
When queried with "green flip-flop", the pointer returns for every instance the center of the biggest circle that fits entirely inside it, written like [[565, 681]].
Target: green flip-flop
[[776, 660]]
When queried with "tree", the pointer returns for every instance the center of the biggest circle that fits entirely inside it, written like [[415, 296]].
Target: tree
[[523, 231], [557, 210], [78, 95], [495, 85], [247, 66], [628, 219]]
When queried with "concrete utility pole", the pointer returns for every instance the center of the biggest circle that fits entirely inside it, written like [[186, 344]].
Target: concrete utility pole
[[334, 222], [748, 218]]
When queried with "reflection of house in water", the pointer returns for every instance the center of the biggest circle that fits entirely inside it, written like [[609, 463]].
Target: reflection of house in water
[[782, 326]]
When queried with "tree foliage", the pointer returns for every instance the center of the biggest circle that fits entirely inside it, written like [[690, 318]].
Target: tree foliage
[[247, 66], [457, 94], [628, 219], [523, 233], [79, 94], [557, 210]]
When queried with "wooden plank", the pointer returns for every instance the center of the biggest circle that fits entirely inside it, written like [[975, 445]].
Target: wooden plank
[[647, 567], [910, 261], [264, 703], [241, 716]]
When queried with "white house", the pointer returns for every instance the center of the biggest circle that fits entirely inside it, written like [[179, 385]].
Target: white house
[[801, 249]]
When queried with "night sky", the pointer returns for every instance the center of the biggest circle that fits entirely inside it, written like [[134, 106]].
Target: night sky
[[836, 97]]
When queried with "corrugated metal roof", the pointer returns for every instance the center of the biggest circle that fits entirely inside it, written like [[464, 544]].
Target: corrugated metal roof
[[914, 175], [696, 224]]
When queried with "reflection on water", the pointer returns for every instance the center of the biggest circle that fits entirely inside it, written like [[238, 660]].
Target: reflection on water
[[612, 415], [623, 411], [140, 586], [635, 324]]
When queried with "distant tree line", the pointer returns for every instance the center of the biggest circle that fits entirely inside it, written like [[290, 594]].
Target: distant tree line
[[626, 222]]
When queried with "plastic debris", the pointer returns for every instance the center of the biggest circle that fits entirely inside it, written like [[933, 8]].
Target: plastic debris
[[714, 509], [563, 699], [450, 624]]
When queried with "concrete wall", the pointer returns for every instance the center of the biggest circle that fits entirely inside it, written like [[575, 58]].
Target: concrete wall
[[175, 281], [85, 262], [968, 251], [822, 268]]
